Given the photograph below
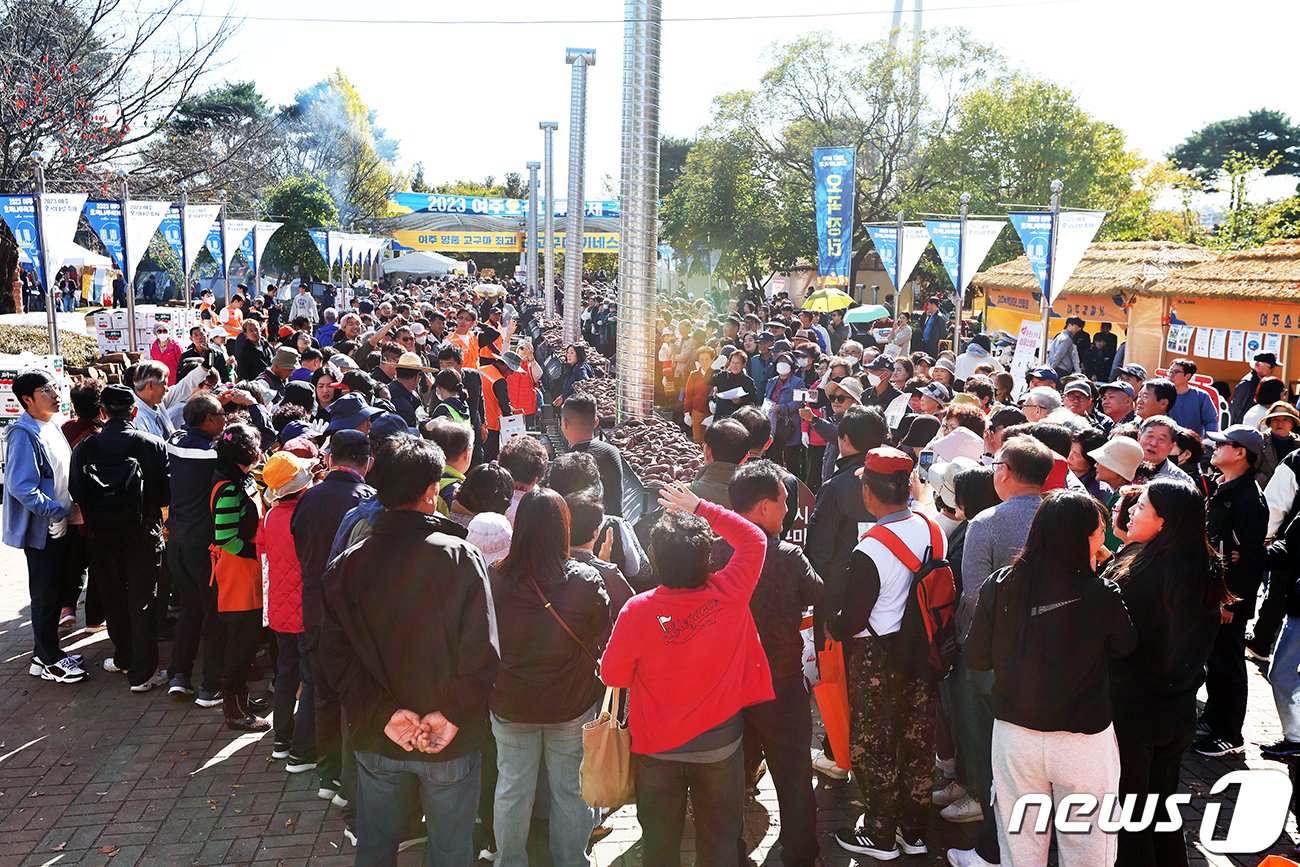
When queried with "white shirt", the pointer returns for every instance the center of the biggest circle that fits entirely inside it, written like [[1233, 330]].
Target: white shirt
[[56, 446], [895, 578]]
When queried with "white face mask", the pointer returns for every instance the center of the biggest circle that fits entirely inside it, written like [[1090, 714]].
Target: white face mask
[[803, 362], [783, 369], [873, 379]]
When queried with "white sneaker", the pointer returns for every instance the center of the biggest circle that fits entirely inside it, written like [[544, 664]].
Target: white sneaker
[[949, 794], [66, 670], [822, 765], [111, 666], [160, 678], [964, 809], [968, 858]]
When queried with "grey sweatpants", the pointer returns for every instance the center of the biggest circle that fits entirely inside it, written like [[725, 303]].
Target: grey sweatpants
[[1027, 762]]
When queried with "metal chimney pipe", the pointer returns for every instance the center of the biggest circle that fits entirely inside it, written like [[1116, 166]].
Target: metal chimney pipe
[[638, 227], [530, 254], [580, 59], [548, 128]]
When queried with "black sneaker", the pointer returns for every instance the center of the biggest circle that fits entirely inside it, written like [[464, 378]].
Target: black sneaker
[[912, 843], [328, 790], [859, 843], [1283, 749], [1216, 747], [299, 764], [280, 750]]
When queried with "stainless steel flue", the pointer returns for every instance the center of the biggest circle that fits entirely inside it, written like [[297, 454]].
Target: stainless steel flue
[[580, 59], [530, 254], [548, 128], [638, 228]]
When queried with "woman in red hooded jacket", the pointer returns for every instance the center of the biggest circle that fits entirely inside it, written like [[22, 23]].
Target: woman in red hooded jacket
[[286, 476]]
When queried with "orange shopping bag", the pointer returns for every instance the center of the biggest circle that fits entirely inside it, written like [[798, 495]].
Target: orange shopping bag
[[832, 696]]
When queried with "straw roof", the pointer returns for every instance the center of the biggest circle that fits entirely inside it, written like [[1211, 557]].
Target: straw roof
[[1107, 268], [1270, 272]]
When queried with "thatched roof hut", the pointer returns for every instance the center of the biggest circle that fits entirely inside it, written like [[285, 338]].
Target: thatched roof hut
[[1267, 273], [1109, 268]]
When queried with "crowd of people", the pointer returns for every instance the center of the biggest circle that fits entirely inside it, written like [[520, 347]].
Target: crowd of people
[[443, 601]]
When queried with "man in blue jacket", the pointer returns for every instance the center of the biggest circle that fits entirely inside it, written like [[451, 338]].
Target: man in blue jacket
[[36, 509]]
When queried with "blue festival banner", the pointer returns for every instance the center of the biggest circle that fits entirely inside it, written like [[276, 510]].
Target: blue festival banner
[[213, 243], [439, 203], [171, 230], [1035, 231], [885, 238], [320, 237], [106, 219], [19, 214], [833, 169]]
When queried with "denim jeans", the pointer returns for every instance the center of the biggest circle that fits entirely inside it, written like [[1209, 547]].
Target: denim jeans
[[520, 751], [44, 576], [297, 728], [386, 790], [717, 792], [1284, 677]]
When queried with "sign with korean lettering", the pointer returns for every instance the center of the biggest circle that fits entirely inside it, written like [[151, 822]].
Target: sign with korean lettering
[[899, 268], [438, 203], [833, 170], [967, 248], [106, 219], [19, 214], [1242, 314], [496, 242]]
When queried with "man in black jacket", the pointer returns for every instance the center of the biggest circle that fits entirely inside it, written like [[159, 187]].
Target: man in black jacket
[[1236, 521], [837, 523], [315, 522], [417, 718], [119, 478], [578, 425], [192, 460], [780, 729]]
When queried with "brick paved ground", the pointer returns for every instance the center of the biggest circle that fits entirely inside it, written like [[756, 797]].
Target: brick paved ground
[[94, 774]]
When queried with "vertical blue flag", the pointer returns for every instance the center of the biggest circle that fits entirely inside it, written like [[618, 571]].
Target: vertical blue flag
[[19, 214], [1035, 231], [833, 169], [213, 243], [320, 237], [885, 240], [106, 219], [171, 230], [946, 235]]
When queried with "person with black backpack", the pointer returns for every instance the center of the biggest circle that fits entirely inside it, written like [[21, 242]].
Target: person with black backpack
[[120, 480], [896, 619]]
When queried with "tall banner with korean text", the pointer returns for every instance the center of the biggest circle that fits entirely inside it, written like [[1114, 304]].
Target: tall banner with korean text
[[899, 268], [105, 219], [171, 230], [262, 233], [233, 234], [947, 237], [215, 242], [19, 214], [833, 170], [1075, 231], [198, 223]]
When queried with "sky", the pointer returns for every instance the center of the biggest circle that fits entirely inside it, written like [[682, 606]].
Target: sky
[[465, 99]]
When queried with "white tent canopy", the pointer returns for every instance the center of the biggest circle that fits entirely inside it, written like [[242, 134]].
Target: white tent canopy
[[72, 254], [420, 264]]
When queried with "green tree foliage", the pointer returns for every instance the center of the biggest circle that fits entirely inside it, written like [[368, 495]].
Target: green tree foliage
[[821, 92], [330, 132], [1012, 137], [672, 162], [1260, 134], [301, 202]]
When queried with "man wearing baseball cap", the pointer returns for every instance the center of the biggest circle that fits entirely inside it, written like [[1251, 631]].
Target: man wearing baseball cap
[[882, 392], [1044, 376], [1135, 375], [891, 709], [1117, 401], [1236, 522], [1243, 394]]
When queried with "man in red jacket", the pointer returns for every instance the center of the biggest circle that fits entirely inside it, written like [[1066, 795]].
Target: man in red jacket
[[690, 654]]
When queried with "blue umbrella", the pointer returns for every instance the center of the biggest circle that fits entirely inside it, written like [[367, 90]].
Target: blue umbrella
[[866, 314]]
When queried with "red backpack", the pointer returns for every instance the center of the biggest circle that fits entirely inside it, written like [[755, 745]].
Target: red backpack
[[929, 627]]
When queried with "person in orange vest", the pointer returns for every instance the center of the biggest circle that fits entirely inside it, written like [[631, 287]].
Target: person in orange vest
[[465, 337], [231, 317], [495, 370]]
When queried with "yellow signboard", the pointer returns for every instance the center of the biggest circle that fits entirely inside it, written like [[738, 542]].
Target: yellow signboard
[[497, 242], [1006, 308]]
